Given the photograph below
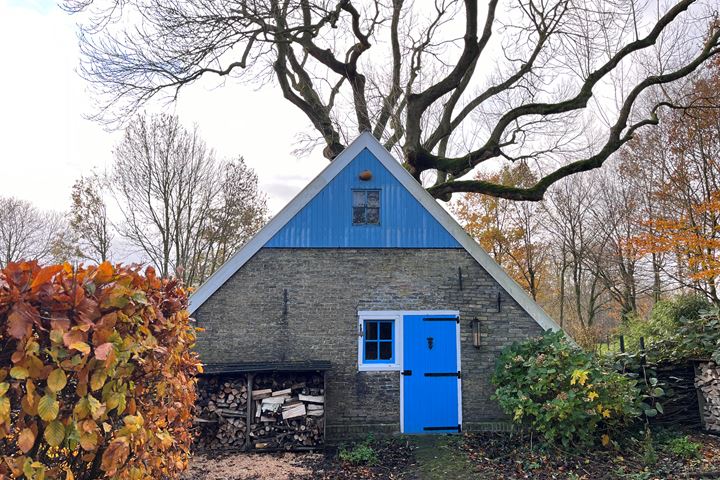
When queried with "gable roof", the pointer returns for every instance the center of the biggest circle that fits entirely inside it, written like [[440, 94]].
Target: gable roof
[[367, 141]]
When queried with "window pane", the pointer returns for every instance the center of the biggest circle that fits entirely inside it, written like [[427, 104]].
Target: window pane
[[371, 351], [371, 330], [373, 215], [373, 198], [385, 350], [385, 330], [358, 214], [359, 198]]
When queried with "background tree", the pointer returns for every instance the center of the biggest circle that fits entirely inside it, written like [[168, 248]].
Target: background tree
[[509, 231], [183, 209], [547, 70], [240, 213], [27, 233], [89, 219]]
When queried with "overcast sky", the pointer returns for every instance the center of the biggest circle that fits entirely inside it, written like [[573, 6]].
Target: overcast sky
[[46, 143]]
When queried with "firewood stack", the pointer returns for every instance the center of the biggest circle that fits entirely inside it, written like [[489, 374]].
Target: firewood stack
[[289, 411], [707, 381], [222, 412]]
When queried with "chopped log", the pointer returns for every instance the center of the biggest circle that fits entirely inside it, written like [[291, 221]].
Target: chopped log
[[312, 398], [295, 411], [260, 394], [287, 391]]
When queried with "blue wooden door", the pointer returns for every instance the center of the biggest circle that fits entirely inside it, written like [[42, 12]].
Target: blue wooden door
[[430, 374]]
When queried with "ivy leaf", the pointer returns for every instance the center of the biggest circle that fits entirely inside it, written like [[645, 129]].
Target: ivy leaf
[[48, 408], [26, 440], [57, 380], [54, 433], [4, 386]]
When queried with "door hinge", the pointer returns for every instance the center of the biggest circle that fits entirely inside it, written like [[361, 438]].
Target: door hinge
[[457, 374], [435, 429], [406, 372]]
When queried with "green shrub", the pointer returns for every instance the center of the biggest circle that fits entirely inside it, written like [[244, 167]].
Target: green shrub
[[684, 447], [694, 337], [360, 454], [564, 393], [663, 321]]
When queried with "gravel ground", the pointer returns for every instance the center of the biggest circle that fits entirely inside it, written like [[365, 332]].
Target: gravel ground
[[248, 466]]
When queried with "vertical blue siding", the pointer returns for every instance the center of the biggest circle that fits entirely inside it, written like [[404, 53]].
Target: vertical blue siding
[[326, 221]]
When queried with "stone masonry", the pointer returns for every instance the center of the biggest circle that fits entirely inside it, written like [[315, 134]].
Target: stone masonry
[[244, 321]]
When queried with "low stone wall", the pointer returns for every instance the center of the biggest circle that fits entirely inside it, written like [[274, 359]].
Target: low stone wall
[[707, 381]]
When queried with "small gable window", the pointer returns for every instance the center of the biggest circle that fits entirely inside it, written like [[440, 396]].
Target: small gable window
[[366, 207], [379, 341]]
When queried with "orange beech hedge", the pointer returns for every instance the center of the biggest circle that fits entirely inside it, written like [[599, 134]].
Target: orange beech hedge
[[97, 378]]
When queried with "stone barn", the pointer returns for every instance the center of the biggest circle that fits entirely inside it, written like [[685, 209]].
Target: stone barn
[[366, 278]]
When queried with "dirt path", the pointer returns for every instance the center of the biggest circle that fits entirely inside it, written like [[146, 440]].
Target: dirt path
[[441, 458]]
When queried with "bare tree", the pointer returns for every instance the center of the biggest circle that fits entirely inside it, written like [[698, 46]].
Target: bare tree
[[27, 233], [240, 213], [183, 209], [89, 219], [451, 85], [571, 224]]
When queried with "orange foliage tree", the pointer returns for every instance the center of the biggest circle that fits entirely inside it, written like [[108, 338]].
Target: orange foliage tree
[[97, 378], [687, 224], [509, 231]]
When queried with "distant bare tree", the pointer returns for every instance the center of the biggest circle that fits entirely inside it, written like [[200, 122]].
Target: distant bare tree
[[571, 224], [449, 84], [184, 210], [89, 219], [27, 233], [240, 213]]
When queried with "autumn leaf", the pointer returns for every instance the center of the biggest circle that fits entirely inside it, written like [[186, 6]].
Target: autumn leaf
[[26, 440], [115, 455], [44, 276], [104, 273], [73, 336], [48, 408], [54, 433], [81, 347], [56, 380], [102, 351], [18, 325], [4, 408], [19, 373], [97, 379]]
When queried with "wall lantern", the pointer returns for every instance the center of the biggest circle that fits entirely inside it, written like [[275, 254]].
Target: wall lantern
[[475, 323], [365, 175]]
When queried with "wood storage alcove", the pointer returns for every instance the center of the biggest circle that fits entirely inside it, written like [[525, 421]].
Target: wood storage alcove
[[261, 407]]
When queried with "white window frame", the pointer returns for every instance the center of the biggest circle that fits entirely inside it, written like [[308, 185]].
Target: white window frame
[[396, 317]]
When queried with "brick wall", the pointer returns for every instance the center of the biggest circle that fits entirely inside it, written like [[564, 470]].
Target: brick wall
[[244, 321]]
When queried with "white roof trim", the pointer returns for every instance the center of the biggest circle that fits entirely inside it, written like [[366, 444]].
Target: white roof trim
[[366, 140]]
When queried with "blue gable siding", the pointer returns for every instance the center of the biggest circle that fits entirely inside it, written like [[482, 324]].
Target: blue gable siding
[[326, 221]]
